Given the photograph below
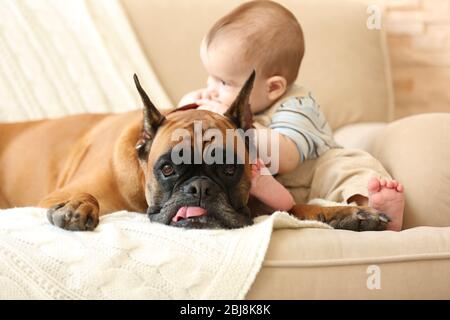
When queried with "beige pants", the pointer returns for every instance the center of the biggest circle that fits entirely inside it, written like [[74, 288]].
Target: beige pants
[[337, 175]]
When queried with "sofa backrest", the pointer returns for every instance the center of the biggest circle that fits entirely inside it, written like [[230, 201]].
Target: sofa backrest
[[345, 65]]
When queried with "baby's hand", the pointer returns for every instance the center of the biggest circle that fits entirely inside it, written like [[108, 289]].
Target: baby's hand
[[211, 105], [191, 97]]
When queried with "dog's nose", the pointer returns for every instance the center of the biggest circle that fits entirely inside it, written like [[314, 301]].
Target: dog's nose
[[201, 188]]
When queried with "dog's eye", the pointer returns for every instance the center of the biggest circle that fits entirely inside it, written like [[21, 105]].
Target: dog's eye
[[167, 170], [229, 169]]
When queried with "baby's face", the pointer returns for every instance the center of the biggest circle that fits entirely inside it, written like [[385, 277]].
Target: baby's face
[[227, 73]]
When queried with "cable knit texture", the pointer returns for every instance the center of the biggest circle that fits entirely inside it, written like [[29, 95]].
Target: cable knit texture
[[128, 257]]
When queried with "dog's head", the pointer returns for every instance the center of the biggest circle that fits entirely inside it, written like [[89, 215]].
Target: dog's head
[[197, 175]]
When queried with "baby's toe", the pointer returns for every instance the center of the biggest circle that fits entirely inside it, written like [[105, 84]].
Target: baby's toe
[[373, 185], [394, 184]]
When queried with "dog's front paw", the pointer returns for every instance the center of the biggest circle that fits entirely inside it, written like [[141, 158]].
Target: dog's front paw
[[360, 219], [81, 213]]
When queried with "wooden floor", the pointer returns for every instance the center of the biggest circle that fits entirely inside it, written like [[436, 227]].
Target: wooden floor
[[419, 43]]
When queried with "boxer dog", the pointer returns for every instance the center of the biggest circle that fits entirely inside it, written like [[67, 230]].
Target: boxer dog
[[84, 166]]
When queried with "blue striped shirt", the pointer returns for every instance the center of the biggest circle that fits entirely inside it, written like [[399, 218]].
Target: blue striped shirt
[[300, 119]]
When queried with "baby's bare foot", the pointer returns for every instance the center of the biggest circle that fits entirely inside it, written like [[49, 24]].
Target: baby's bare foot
[[388, 197], [268, 190]]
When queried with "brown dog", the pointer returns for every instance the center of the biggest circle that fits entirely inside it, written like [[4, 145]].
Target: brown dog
[[84, 166]]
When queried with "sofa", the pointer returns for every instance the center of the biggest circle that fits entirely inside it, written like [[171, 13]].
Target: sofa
[[346, 66]]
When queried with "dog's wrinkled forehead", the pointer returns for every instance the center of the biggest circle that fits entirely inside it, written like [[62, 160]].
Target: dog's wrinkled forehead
[[187, 122]]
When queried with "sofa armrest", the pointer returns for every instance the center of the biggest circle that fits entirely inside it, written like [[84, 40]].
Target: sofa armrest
[[416, 151]]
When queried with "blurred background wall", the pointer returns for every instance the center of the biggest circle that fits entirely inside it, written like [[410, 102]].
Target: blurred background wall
[[419, 42]]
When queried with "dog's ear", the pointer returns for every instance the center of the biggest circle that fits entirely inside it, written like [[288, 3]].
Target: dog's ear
[[240, 109], [152, 120]]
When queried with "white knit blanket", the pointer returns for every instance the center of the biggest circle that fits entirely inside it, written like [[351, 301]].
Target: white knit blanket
[[128, 257]]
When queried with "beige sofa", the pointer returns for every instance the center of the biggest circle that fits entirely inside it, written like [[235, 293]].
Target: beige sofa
[[346, 66]]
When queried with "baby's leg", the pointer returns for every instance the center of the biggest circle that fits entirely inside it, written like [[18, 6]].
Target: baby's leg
[[346, 176], [269, 191]]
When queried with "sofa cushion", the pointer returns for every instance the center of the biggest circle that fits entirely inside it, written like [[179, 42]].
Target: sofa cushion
[[415, 150], [345, 65], [358, 135], [339, 264]]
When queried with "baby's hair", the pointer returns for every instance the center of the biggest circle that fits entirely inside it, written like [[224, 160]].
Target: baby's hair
[[270, 35]]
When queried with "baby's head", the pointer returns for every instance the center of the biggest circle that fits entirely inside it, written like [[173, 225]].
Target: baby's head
[[258, 35]]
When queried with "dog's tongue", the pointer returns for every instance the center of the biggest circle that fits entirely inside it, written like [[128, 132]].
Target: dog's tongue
[[187, 212]]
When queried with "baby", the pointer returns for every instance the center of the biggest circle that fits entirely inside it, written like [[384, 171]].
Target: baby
[[266, 37]]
